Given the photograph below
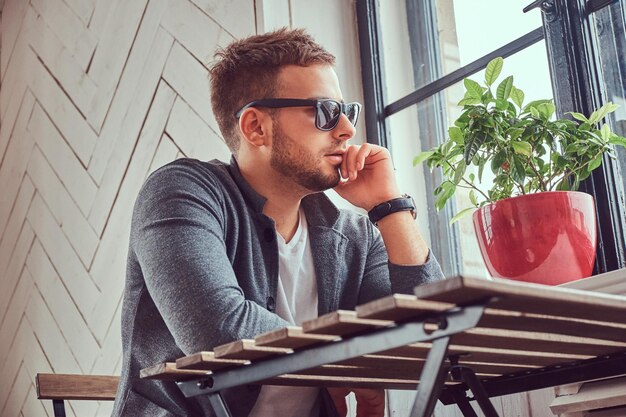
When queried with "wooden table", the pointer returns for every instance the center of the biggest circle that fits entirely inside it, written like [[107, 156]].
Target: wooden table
[[493, 337]]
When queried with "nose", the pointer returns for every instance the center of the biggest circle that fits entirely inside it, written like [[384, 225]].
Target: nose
[[344, 130]]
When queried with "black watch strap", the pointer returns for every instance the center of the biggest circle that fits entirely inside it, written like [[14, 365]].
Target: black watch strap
[[404, 203]]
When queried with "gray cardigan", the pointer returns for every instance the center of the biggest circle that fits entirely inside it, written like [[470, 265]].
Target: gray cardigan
[[203, 271]]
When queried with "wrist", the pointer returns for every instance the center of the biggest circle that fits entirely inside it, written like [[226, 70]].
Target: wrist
[[404, 203]]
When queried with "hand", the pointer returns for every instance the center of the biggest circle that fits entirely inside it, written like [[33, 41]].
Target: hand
[[370, 176], [369, 402]]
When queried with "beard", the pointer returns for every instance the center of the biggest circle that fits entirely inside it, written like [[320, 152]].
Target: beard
[[294, 161]]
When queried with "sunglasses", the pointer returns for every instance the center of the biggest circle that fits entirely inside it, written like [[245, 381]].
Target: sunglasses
[[327, 113]]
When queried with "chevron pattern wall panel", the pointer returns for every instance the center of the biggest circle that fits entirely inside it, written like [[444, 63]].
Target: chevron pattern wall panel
[[95, 95]]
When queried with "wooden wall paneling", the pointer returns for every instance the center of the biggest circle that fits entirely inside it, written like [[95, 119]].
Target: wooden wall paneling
[[14, 163], [68, 27], [13, 12], [35, 361], [11, 366], [192, 28], [49, 335], [81, 8], [73, 224], [14, 226], [69, 320], [111, 55], [111, 346], [32, 406], [193, 136], [13, 97], [61, 63], [100, 15], [17, 394], [118, 230], [11, 321], [63, 161], [189, 78], [166, 152], [272, 14], [138, 67], [13, 271], [78, 282], [67, 118], [238, 24], [125, 142]]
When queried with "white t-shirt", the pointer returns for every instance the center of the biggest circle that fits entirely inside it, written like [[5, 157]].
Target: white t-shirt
[[296, 302]]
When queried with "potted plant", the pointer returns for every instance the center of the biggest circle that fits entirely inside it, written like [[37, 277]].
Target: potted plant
[[530, 222]]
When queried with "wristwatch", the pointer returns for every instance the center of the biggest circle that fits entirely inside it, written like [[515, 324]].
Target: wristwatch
[[404, 203]]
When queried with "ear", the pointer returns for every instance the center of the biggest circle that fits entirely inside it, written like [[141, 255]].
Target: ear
[[255, 127]]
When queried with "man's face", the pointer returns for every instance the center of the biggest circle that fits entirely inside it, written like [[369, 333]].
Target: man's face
[[300, 151]]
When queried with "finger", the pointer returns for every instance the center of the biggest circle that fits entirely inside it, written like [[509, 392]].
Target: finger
[[364, 152], [349, 159]]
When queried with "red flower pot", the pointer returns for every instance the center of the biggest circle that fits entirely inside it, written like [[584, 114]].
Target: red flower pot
[[547, 238]]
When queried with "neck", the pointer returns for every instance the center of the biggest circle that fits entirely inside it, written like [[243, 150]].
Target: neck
[[283, 197]]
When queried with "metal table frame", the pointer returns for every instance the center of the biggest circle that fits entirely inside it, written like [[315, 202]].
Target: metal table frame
[[431, 387]]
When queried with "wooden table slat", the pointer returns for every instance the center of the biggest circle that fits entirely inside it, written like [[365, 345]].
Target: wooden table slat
[[527, 297], [342, 323], [168, 372], [292, 338], [247, 349], [208, 362]]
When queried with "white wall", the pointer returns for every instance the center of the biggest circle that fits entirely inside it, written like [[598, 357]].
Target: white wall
[[95, 95]]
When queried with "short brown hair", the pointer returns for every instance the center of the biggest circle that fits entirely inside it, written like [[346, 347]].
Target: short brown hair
[[247, 70]]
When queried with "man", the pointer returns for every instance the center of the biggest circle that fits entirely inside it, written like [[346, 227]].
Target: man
[[221, 252]]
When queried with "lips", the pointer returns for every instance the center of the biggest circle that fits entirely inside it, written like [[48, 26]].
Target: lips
[[335, 157]]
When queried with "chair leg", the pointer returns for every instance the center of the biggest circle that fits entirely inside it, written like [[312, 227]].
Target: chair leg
[[59, 408]]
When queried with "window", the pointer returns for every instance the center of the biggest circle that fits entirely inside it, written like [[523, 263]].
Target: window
[[416, 53]]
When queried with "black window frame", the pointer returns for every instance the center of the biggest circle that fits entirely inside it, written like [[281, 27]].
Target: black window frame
[[571, 47]]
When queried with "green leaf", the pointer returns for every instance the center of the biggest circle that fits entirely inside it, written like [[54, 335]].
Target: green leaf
[[460, 171], [502, 104], [504, 89], [447, 191], [563, 185], [469, 101], [534, 103], [605, 132], [461, 214], [523, 148], [494, 68], [601, 113], [514, 133], [472, 197], [534, 112], [422, 157], [579, 116], [517, 96], [618, 140], [595, 163], [518, 171], [456, 134], [473, 88], [546, 110], [472, 145]]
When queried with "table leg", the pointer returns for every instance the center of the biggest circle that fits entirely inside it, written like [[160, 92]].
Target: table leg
[[479, 392], [463, 403], [432, 379], [214, 403]]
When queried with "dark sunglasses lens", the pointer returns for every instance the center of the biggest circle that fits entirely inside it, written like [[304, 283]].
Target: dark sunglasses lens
[[328, 113], [352, 112]]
